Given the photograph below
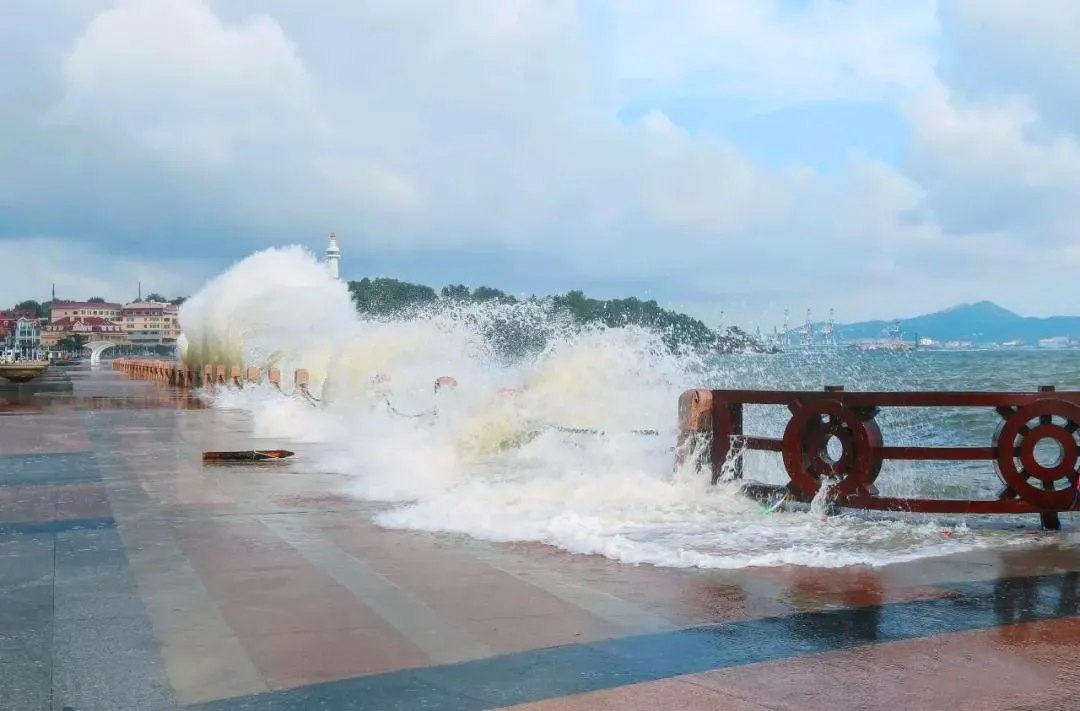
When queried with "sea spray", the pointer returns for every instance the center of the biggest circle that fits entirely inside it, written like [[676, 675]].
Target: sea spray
[[498, 457], [278, 306]]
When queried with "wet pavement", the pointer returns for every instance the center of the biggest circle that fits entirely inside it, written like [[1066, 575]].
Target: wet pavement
[[133, 577]]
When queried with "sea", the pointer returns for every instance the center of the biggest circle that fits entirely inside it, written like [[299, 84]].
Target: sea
[[498, 456]]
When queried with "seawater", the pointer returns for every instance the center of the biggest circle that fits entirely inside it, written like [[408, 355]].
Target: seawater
[[470, 461]]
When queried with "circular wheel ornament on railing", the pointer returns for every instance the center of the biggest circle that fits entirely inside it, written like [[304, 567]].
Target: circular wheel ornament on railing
[[806, 448], [1048, 486]]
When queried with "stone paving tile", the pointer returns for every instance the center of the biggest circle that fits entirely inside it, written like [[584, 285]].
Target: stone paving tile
[[268, 592], [48, 469], [984, 670], [178, 479], [668, 695], [686, 597], [27, 503], [21, 504], [30, 528], [576, 671], [104, 647], [501, 611], [296, 658], [806, 589], [42, 434], [109, 664], [202, 656], [82, 501], [441, 638], [26, 621]]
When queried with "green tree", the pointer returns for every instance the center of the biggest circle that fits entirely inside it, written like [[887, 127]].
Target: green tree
[[509, 335], [40, 310], [178, 300], [486, 293], [458, 292], [389, 296], [154, 296], [95, 300], [73, 343]]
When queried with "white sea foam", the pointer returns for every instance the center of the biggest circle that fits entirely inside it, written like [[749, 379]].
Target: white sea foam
[[474, 468]]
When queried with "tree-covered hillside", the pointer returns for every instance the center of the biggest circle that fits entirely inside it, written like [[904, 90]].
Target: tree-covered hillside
[[392, 297]]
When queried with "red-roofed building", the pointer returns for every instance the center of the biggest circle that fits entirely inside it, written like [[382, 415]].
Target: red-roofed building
[[92, 328], [82, 309]]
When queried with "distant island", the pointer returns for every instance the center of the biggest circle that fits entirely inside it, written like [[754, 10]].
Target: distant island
[[384, 297], [393, 298], [979, 323]]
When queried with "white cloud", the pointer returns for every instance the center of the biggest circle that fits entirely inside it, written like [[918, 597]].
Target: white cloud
[[1003, 47], [758, 48], [991, 142], [79, 271], [987, 168], [190, 127], [169, 74]]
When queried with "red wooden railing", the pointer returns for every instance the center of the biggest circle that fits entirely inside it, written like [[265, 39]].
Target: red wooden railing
[[715, 417]]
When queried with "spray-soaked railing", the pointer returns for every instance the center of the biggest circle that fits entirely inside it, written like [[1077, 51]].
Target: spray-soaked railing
[[711, 433], [214, 377], [211, 377]]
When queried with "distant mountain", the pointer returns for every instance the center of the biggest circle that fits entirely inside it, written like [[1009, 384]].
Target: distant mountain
[[982, 322]]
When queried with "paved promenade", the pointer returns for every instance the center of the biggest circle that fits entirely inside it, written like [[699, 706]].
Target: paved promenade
[[134, 578]]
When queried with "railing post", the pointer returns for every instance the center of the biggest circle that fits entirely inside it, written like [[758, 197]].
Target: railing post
[[1048, 520], [727, 433], [301, 380], [695, 428]]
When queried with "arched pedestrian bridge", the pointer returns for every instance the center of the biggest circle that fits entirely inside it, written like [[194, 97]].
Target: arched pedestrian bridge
[[97, 348]]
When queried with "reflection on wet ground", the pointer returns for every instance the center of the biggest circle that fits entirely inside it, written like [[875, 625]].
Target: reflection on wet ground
[[38, 404], [133, 577]]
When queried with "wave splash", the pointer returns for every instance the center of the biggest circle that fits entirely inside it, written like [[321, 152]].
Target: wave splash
[[501, 457]]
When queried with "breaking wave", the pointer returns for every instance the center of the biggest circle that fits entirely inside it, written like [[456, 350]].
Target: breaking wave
[[567, 442]]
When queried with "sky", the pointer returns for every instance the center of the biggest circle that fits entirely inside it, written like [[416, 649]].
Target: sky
[[881, 157]]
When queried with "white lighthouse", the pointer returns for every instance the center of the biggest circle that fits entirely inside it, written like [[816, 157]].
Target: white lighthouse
[[333, 257]]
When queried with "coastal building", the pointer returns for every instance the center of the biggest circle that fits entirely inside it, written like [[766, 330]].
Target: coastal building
[[151, 324], [21, 335], [333, 257], [91, 328], [81, 309]]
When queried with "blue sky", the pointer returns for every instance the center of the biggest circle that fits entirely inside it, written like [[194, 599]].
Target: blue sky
[[819, 135], [885, 158]]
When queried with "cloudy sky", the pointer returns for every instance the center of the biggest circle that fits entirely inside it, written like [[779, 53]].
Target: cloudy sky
[[883, 157]]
